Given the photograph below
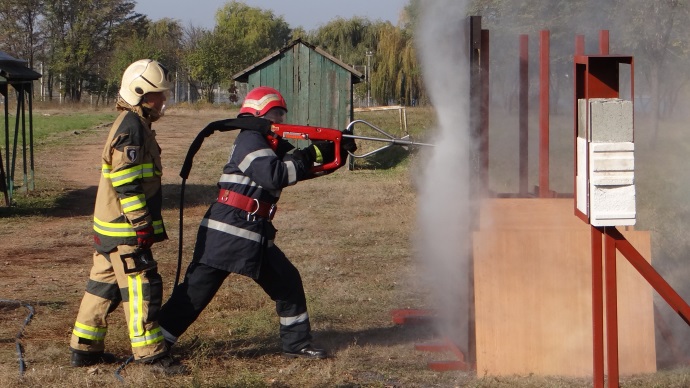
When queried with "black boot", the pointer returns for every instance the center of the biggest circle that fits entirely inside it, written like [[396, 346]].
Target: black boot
[[89, 359], [308, 352], [167, 365]]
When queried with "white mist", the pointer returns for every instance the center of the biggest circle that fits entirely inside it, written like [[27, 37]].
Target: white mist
[[444, 242]]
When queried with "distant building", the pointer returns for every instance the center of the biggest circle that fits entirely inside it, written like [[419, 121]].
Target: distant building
[[317, 87]]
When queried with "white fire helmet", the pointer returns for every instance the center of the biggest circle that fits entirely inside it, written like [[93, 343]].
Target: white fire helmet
[[144, 76]]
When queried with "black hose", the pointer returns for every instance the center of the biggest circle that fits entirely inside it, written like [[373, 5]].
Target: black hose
[[249, 123], [122, 367], [181, 234], [20, 334]]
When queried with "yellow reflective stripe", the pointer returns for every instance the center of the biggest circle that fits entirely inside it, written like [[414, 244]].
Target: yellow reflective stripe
[[128, 175], [133, 203], [319, 157], [105, 170], [89, 332], [150, 337], [136, 304], [147, 170], [113, 229], [158, 227]]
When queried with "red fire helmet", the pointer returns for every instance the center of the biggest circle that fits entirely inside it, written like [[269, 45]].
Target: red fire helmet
[[260, 100]]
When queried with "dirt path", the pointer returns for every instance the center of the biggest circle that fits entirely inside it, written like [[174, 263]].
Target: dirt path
[[40, 246]]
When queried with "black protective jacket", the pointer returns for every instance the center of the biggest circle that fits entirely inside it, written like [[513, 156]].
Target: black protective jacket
[[229, 239]]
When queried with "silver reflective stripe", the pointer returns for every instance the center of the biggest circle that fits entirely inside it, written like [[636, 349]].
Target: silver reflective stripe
[[289, 321], [148, 170], [168, 337], [292, 172], [136, 301], [89, 332], [158, 227], [229, 229], [237, 178], [113, 229], [148, 338], [127, 175], [133, 203], [247, 161], [243, 180]]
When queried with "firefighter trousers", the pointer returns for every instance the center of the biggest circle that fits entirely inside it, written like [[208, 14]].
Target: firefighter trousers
[[129, 276], [277, 277]]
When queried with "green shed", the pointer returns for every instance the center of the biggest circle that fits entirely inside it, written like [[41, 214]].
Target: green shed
[[317, 87]]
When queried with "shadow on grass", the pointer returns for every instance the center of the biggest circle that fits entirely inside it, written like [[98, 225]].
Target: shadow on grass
[[384, 159], [80, 202], [332, 340]]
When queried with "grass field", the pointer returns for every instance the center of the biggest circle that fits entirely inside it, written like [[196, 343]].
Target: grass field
[[349, 233]]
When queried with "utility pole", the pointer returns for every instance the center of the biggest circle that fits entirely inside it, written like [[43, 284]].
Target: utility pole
[[369, 54]]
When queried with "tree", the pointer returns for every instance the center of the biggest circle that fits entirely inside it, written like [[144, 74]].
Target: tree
[[248, 34], [81, 35], [350, 40], [207, 63], [161, 40], [396, 75], [20, 34]]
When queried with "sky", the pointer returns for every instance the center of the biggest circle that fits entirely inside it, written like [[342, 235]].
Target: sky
[[309, 14]]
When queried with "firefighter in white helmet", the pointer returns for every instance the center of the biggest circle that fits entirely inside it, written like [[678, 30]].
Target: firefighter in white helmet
[[127, 222], [236, 234]]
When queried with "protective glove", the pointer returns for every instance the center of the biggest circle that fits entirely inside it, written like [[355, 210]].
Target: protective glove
[[145, 237], [322, 151], [283, 148]]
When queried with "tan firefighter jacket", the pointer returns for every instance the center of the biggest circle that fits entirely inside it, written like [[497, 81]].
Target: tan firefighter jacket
[[129, 194]]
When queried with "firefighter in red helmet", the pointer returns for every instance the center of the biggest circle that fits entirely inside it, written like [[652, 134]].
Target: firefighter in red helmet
[[236, 234]]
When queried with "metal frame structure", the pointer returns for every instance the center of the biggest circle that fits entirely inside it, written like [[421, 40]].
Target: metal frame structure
[[601, 80], [13, 72], [598, 77]]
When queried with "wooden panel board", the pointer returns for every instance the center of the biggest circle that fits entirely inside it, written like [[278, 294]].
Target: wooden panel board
[[528, 214], [533, 303]]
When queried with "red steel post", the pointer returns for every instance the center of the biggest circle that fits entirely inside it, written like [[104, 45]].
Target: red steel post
[[579, 50], [544, 85], [484, 114], [611, 308], [653, 278], [524, 105], [604, 42], [579, 45], [597, 309]]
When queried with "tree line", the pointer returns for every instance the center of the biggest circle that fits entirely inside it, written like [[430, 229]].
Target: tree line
[[82, 46]]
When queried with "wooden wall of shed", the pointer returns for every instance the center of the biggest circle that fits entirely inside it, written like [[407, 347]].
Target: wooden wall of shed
[[318, 92]]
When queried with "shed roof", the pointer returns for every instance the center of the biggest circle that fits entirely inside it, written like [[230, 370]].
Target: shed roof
[[13, 69], [243, 76]]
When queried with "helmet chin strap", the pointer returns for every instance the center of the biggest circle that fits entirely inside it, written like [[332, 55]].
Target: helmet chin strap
[[151, 113]]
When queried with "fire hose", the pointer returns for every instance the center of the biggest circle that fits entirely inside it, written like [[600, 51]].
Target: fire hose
[[20, 334]]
